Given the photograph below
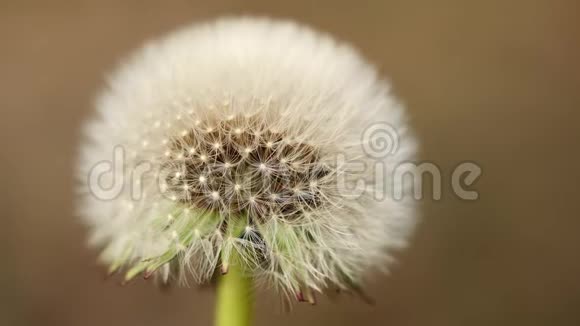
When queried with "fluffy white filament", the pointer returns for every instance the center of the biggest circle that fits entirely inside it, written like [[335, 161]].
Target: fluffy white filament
[[251, 128]]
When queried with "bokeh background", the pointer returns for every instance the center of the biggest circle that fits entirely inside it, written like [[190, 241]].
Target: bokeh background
[[494, 82]]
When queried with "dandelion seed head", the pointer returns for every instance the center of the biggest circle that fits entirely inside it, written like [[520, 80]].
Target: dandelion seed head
[[249, 119]]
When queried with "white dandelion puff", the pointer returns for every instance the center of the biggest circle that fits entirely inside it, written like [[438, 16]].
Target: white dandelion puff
[[245, 119]]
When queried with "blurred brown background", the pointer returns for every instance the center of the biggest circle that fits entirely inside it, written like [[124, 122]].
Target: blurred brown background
[[495, 82]]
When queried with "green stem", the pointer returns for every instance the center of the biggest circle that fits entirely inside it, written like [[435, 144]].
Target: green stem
[[235, 296]]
